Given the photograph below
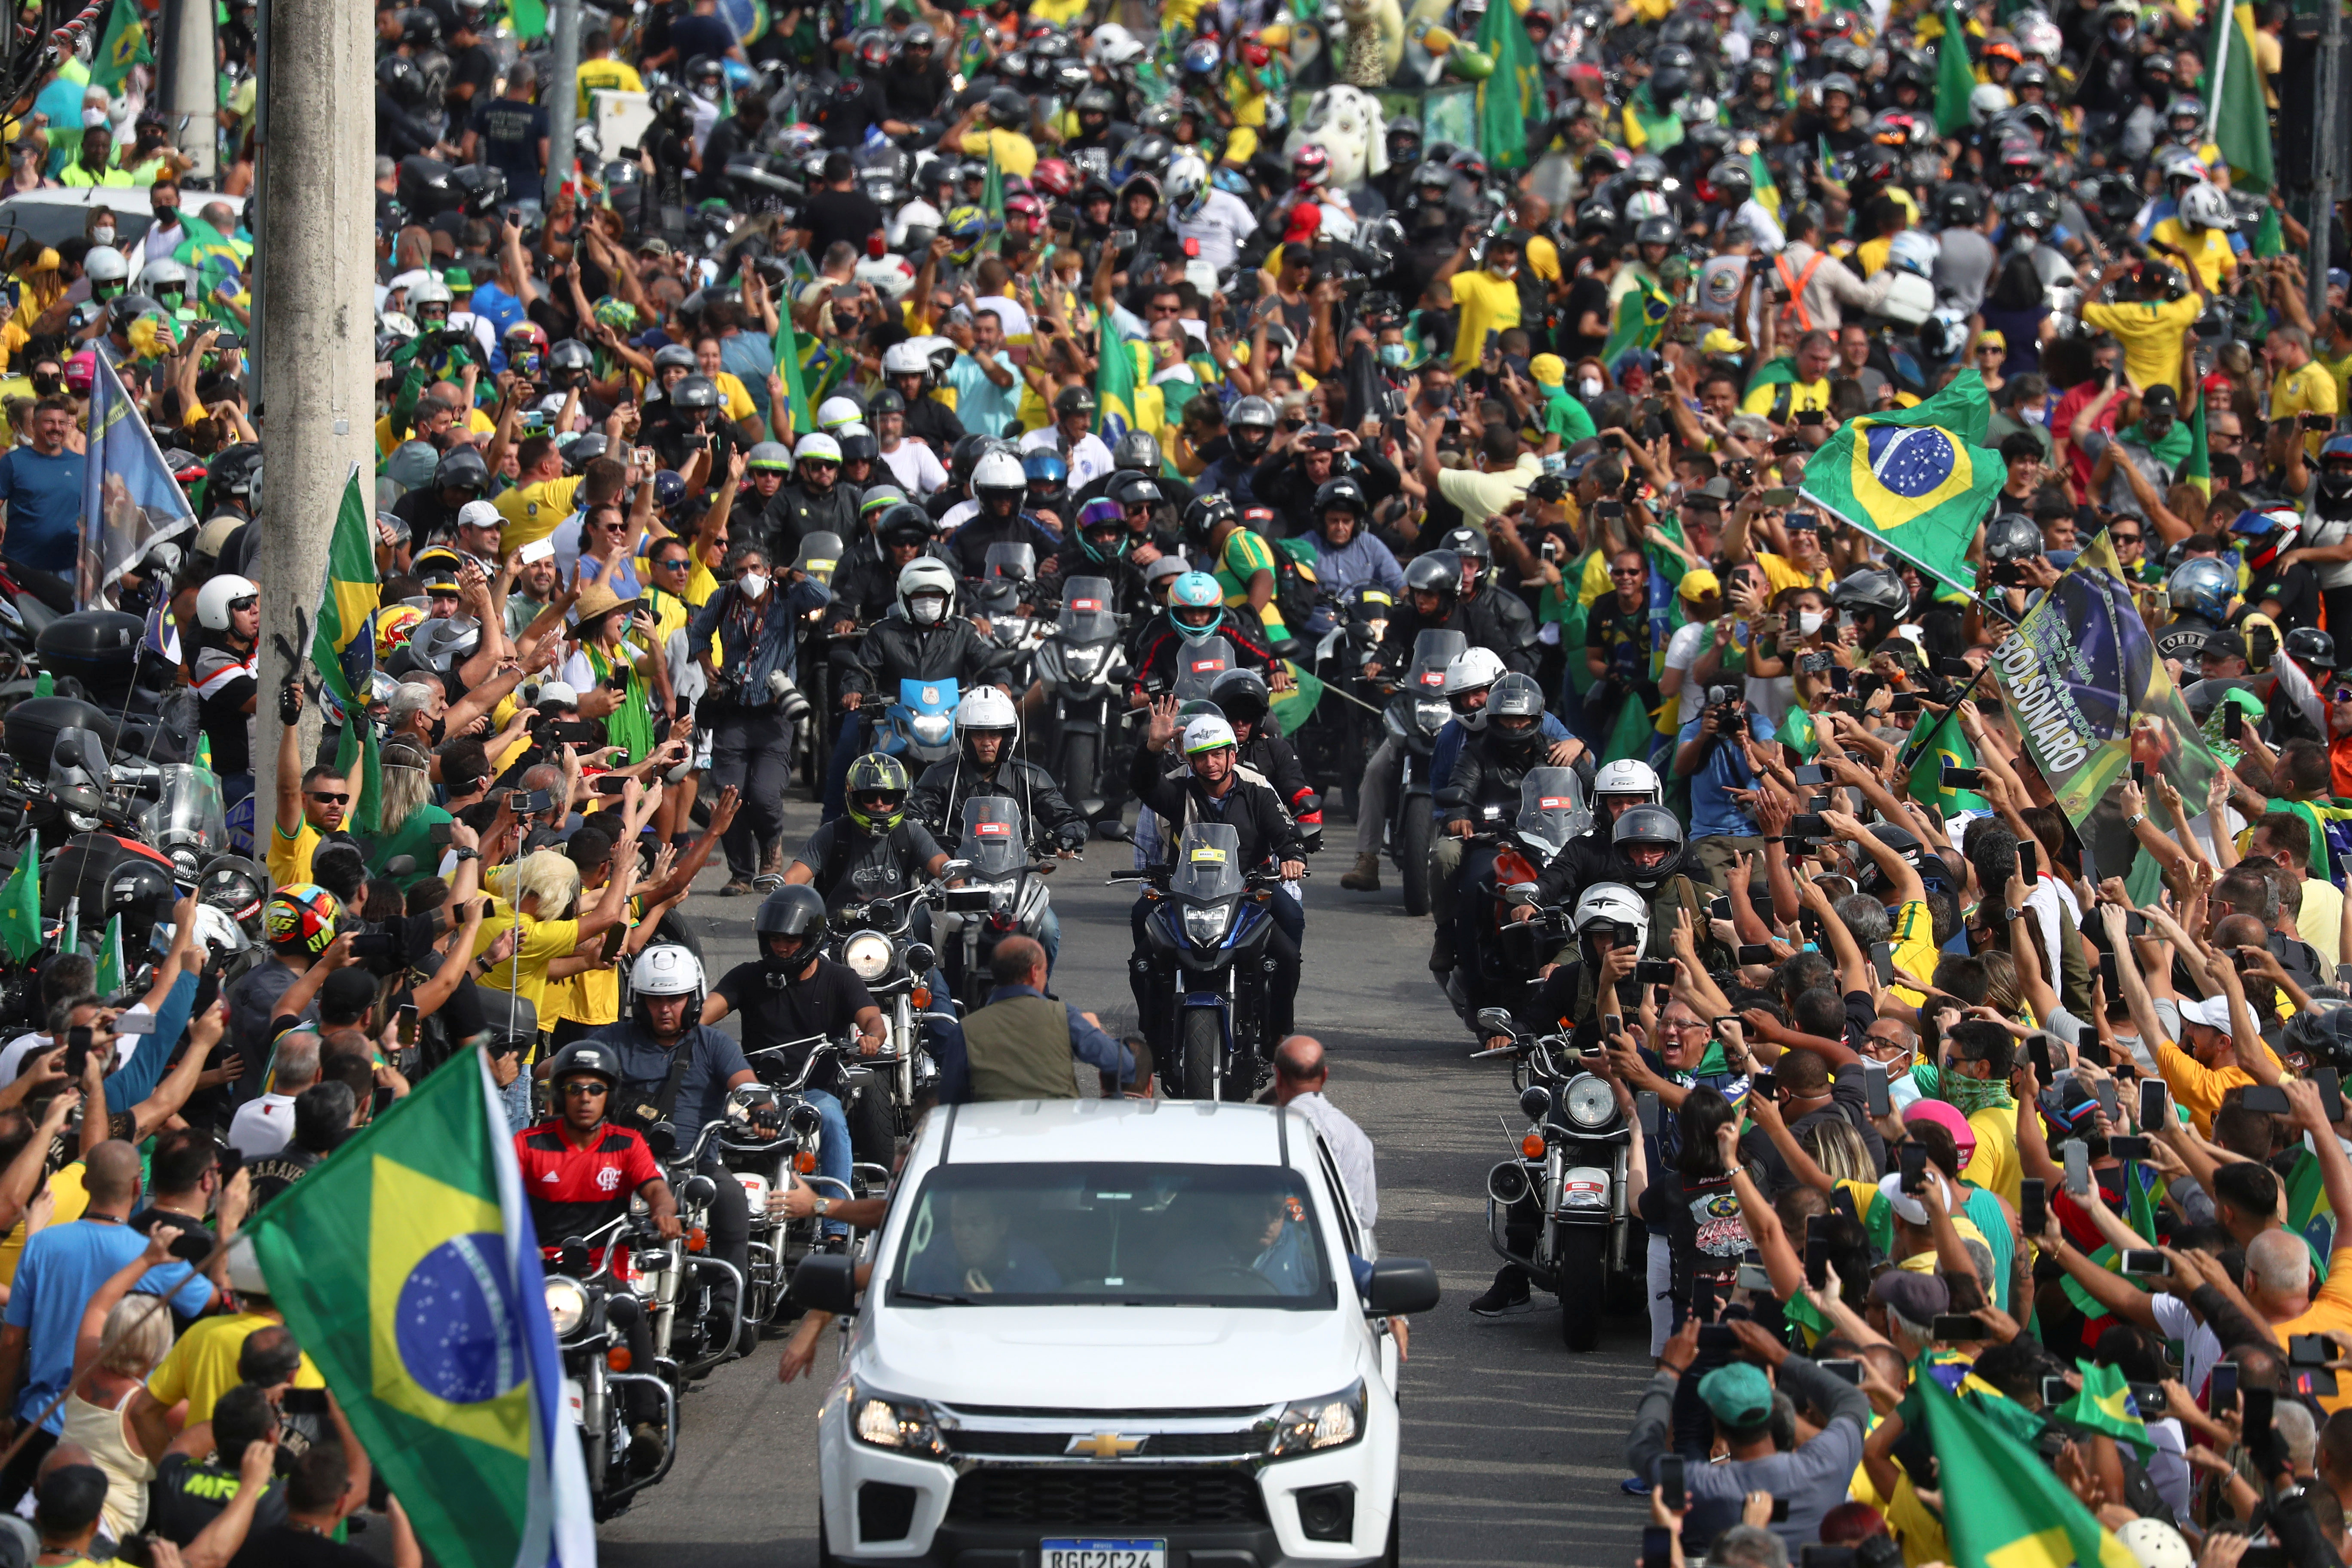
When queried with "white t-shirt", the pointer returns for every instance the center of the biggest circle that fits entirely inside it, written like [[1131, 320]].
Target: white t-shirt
[[2200, 1346], [1009, 315], [13, 1055], [1684, 648], [1223, 221], [262, 1127], [916, 469]]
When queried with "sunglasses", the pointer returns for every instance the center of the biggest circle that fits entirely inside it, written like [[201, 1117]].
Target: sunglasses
[[1625, 572], [246, 603], [675, 564], [588, 1090], [331, 799], [2123, 537]]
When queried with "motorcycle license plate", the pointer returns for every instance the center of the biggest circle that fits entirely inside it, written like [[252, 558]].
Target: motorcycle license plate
[[1094, 1553]]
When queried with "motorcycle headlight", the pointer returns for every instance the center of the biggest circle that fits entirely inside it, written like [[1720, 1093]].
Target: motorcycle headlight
[[886, 1421], [867, 954], [567, 1304], [1589, 1102], [1431, 716], [1084, 661], [1206, 926], [1311, 1426], [931, 729]]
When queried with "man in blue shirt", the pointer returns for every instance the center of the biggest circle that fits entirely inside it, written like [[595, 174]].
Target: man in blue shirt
[[1707, 752], [41, 487], [987, 387], [62, 1269], [1022, 957], [510, 134]]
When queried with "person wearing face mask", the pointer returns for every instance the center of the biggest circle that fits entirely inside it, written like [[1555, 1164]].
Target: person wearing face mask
[[922, 639], [1563, 416], [1488, 298], [745, 708], [166, 235]]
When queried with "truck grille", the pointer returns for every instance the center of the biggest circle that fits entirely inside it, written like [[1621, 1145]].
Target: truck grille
[[1082, 1496], [970, 1443]]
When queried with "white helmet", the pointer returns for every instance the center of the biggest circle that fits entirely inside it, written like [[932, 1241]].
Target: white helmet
[[835, 412], [1627, 776], [985, 708], [1613, 903], [906, 358], [1207, 732], [1472, 669], [429, 290], [1913, 250], [218, 933], [104, 264], [925, 574], [161, 272], [1114, 45], [999, 472], [396, 324], [914, 215], [1644, 204], [2204, 207], [2155, 1544], [1187, 186], [1986, 101], [818, 444], [669, 969], [214, 599], [245, 1267]]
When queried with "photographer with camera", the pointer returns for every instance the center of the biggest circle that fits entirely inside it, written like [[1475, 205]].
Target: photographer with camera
[[1714, 752], [752, 704]]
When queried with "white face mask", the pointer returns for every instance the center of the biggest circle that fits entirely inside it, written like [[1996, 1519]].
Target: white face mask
[[754, 585], [1588, 388], [102, 235], [929, 609], [1808, 622]]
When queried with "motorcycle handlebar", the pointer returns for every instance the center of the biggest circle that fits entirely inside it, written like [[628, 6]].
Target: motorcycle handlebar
[[1497, 1051]]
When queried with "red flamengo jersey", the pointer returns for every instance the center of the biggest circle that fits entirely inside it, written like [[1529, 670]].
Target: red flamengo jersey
[[575, 1189]]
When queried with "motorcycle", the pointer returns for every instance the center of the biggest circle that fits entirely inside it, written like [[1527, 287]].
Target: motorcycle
[[993, 859], [1334, 744], [1505, 962], [1198, 667], [875, 941], [677, 1277], [1566, 1185], [1414, 715], [592, 1310], [1008, 580], [771, 1134], [1209, 923], [919, 726], [1082, 667]]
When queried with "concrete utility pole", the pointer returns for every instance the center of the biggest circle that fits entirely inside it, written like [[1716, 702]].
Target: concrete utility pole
[[317, 406], [2327, 154], [561, 95], [189, 87]]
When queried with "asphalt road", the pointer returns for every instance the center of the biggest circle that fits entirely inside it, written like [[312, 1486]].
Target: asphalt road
[[1512, 1444]]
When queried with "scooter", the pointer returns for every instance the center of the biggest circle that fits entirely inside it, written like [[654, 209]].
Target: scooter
[[1209, 924], [993, 858], [1082, 668], [1564, 1186], [1414, 715]]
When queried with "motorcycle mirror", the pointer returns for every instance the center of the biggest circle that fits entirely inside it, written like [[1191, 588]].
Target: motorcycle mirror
[[823, 1282], [697, 1190], [66, 754], [1495, 1021], [1092, 805], [920, 956], [662, 1139], [574, 1254]]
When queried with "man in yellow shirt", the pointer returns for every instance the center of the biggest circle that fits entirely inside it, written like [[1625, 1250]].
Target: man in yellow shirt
[[1007, 111], [2299, 384], [1807, 388], [309, 805], [2150, 327], [599, 70], [541, 498], [2201, 1074], [2207, 250], [1490, 298]]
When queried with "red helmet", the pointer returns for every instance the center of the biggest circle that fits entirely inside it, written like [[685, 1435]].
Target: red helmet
[[1053, 176], [1255, 54], [1310, 165], [1025, 206]]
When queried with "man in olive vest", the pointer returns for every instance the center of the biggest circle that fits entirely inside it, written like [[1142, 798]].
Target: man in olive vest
[[1020, 1046]]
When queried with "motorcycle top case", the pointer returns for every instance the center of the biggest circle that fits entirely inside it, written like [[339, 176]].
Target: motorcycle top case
[[99, 648], [32, 726], [85, 868]]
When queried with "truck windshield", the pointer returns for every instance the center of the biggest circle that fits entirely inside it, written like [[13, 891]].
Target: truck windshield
[[1132, 1234]]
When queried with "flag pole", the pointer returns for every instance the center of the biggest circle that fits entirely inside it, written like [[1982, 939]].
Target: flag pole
[[2224, 16]]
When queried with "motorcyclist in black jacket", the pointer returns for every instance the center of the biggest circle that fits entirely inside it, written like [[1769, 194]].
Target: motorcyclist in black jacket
[[1488, 773], [1241, 695], [864, 589], [814, 501], [1591, 856], [999, 485], [1494, 618], [922, 638]]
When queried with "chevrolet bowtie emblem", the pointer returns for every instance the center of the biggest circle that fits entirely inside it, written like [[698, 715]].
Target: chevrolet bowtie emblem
[[1104, 1446]]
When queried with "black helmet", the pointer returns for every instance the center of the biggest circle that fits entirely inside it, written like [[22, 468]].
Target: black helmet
[[1007, 109], [1515, 697], [585, 450], [697, 393], [400, 77], [2011, 536], [1438, 572], [1960, 206], [1095, 99], [905, 524], [234, 885], [1137, 450], [1470, 542], [1732, 180], [1655, 231], [591, 1057], [1240, 696], [1203, 514], [2310, 646], [793, 910], [234, 471], [463, 469], [860, 446], [1903, 841], [1073, 400], [885, 401], [420, 28], [1644, 824], [1132, 488], [673, 356], [2323, 1036], [571, 357], [1341, 491], [1875, 588], [671, 105]]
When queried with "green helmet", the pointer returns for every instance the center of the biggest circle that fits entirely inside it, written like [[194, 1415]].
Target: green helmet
[[877, 772]]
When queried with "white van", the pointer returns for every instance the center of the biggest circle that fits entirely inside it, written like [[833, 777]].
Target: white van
[[1116, 1334]]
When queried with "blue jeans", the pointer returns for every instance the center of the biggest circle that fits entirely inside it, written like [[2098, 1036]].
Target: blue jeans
[[856, 739], [833, 1156], [1049, 937]]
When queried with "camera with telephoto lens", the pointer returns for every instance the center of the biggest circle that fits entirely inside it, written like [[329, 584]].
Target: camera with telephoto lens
[[791, 703], [388, 947]]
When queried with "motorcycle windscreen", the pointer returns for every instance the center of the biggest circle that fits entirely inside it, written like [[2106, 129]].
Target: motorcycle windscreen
[[1016, 561], [189, 812], [1208, 862], [820, 553], [1199, 664], [1431, 652], [930, 707], [992, 840], [1552, 805], [1088, 613]]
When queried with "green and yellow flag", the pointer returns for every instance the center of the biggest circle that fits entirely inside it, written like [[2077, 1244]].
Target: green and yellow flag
[[407, 1266], [2104, 1405], [1512, 93], [2239, 117], [20, 904], [1640, 321], [109, 980], [1935, 747], [992, 202], [1114, 383], [2018, 1514], [343, 647], [124, 45], [1919, 480], [1956, 78], [788, 365]]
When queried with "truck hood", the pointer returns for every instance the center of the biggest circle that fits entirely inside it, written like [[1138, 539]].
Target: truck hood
[[1085, 1358]]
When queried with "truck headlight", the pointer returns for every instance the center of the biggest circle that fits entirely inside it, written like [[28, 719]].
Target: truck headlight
[[886, 1421], [1311, 1426]]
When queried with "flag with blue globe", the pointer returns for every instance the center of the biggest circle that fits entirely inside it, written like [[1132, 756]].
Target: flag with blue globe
[[407, 1266], [1918, 481]]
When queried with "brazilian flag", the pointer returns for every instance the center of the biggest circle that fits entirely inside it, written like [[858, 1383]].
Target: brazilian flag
[[2104, 1405], [788, 365], [1640, 321], [1917, 480], [343, 647], [1114, 383], [20, 904], [1935, 747], [407, 1266], [2020, 1514], [109, 981], [124, 45]]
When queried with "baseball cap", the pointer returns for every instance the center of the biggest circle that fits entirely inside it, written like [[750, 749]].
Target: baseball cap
[[2223, 644], [1719, 341], [1698, 583], [479, 514], [2213, 1012], [1548, 370], [1946, 1116], [1739, 1394], [551, 692], [1921, 1298], [1890, 1187]]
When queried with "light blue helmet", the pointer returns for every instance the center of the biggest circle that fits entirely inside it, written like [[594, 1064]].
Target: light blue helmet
[[2204, 588], [1191, 592]]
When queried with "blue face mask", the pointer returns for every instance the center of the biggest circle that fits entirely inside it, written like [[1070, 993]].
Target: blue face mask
[[1396, 355]]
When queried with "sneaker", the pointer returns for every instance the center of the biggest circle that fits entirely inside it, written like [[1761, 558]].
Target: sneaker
[[1508, 1294], [1633, 1486], [1364, 876], [648, 1445]]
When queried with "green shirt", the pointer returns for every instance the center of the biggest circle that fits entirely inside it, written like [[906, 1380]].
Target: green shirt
[[413, 838]]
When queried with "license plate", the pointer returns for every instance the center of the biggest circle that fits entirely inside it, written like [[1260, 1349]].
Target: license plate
[[1098, 1553]]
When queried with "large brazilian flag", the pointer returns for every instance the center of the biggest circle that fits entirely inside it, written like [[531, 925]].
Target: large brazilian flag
[[407, 1266], [343, 647], [2019, 1515], [1919, 481]]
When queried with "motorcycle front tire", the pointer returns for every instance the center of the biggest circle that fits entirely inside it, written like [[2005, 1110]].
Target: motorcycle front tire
[[873, 1138], [1202, 1041], [1079, 765], [1583, 1251], [1413, 854]]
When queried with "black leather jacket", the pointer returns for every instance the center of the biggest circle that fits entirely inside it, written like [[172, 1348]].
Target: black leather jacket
[[895, 649], [1489, 769], [793, 514], [940, 794]]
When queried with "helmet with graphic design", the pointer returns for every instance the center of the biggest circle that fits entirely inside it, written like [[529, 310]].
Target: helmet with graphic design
[[876, 791], [1196, 606]]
